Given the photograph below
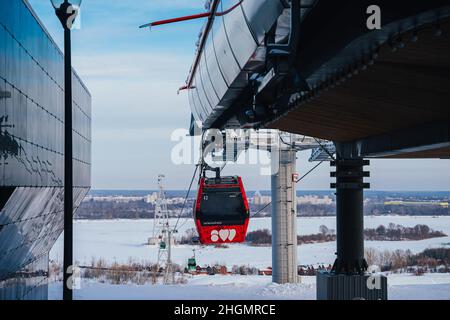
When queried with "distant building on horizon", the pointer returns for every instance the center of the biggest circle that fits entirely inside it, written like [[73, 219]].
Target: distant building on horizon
[[151, 198]]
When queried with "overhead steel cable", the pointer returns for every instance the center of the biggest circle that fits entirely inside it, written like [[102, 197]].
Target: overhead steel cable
[[309, 172], [186, 197], [297, 181], [261, 210]]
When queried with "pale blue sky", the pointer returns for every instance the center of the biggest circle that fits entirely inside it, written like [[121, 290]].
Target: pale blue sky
[[134, 74]]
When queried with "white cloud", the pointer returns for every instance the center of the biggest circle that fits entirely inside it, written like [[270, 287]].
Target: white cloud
[[164, 66]]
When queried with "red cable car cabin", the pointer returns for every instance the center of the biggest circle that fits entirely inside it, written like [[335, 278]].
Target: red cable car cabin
[[221, 210]]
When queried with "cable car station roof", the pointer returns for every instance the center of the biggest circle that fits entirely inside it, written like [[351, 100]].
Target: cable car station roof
[[391, 100], [375, 93]]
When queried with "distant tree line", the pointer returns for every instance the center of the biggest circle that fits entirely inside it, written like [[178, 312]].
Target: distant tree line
[[405, 210], [370, 208], [132, 272], [259, 237], [430, 260], [435, 260], [398, 232], [140, 209], [100, 209], [391, 233], [94, 209]]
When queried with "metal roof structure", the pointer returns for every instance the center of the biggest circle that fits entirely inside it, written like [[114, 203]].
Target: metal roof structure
[[375, 93]]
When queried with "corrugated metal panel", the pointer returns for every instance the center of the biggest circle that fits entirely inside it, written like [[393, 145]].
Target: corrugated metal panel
[[229, 52], [351, 287]]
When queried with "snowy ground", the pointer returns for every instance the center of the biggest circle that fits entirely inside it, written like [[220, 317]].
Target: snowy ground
[[401, 287], [120, 240]]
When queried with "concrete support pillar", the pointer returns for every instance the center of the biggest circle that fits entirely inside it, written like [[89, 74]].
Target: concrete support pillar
[[284, 217]]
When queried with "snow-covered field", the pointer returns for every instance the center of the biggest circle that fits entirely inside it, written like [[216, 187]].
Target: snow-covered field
[[121, 240], [401, 287]]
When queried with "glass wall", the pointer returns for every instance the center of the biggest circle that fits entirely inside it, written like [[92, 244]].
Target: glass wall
[[32, 148]]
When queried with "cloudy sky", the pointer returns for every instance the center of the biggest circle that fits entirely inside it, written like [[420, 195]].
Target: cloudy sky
[[133, 76]]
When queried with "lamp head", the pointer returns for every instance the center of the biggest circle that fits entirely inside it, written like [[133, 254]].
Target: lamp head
[[57, 3], [67, 11]]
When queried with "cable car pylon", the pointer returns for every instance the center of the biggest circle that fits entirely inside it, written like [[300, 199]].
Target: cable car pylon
[[163, 237], [284, 215]]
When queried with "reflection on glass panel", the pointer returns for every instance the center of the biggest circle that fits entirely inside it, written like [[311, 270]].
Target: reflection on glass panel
[[31, 150]]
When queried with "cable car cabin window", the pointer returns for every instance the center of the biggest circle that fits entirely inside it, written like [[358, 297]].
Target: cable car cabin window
[[222, 206]]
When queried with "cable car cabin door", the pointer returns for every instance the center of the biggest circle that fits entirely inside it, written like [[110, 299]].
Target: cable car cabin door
[[221, 211]]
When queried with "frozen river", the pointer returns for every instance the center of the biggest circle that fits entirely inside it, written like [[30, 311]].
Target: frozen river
[[122, 240]]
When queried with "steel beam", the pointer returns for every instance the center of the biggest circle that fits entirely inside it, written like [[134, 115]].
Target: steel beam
[[401, 143]]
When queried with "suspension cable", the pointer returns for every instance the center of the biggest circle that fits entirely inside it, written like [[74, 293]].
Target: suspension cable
[[186, 198], [202, 165], [297, 181], [261, 210], [309, 172]]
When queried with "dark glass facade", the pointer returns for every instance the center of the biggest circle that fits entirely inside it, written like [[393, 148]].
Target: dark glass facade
[[32, 149]]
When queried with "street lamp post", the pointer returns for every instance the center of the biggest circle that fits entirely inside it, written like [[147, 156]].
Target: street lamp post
[[67, 12]]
